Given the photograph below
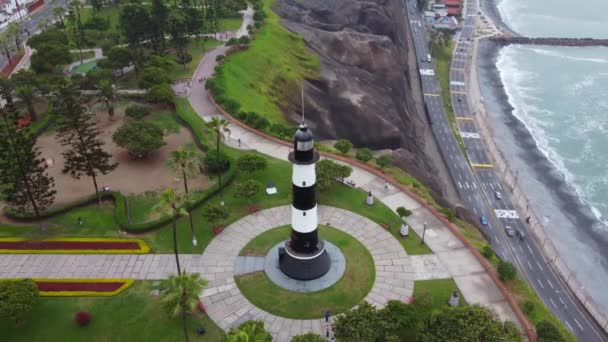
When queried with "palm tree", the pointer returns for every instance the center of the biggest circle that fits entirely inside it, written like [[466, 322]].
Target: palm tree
[[219, 126], [106, 92], [184, 162], [26, 94], [249, 331], [58, 13], [182, 294], [5, 44], [6, 88], [172, 204], [15, 29]]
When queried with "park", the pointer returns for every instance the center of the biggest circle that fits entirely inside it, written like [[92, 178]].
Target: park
[[145, 183]]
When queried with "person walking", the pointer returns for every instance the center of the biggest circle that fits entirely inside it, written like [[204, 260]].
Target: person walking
[[327, 316]]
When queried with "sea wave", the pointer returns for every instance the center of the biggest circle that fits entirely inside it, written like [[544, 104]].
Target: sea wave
[[516, 85], [554, 53]]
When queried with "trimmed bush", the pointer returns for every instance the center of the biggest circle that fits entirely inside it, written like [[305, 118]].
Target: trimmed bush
[[528, 307], [251, 162], [213, 165], [247, 188], [402, 212], [161, 93], [244, 40], [214, 213], [137, 111], [364, 154], [487, 252], [384, 161], [232, 41], [82, 318], [17, 298], [343, 146], [506, 271]]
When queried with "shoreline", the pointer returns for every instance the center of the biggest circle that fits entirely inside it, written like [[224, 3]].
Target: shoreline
[[490, 9], [552, 197]]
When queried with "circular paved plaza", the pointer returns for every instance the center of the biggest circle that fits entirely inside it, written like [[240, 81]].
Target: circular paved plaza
[[227, 306]]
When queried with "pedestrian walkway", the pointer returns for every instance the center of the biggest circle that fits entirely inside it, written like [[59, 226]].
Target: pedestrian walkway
[[227, 306]]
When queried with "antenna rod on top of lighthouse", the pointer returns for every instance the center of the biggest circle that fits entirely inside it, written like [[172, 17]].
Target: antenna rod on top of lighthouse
[[302, 87]]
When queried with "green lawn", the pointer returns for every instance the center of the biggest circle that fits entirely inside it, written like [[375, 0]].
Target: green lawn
[[350, 290], [84, 67], [263, 77], [134, 315], [85, 55], [442, 56], [260, 245], [108, 12], [230, 24], [345, 197], [197, 49]]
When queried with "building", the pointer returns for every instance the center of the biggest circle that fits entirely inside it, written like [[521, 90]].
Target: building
[[454, 7], [445, 23], [304, 256]]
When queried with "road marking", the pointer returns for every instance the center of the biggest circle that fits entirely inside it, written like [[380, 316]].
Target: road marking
[[459, 92], [569, 326], [541, 268], [520, 248], [530, 249], [529, 265], [458, 69], [475, 210], [457, 83], [466, 184], [470, 135], [475, 186], [577, 323], [497, 241], [459, 185], [459, 60], [462, 117], [431, 94], [481, 165], [492, 186], [427, 72], [551, 284], [498, 185], [512, 214], [552, 302], [539, 283], [561, 300]]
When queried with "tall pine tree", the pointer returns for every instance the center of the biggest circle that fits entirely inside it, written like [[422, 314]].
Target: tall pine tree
[[85, 155], [26, 186]]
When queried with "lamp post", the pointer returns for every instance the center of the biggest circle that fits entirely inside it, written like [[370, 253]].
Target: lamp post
[[423, 233]]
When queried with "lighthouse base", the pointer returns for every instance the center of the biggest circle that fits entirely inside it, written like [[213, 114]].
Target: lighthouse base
[[304, 266]]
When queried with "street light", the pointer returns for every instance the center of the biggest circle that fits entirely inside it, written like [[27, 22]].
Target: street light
[[423, 233]]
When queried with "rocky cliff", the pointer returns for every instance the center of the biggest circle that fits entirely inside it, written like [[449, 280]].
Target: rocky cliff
[[364, 92]]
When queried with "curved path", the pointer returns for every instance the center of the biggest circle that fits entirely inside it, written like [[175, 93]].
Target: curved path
[[227, 306]]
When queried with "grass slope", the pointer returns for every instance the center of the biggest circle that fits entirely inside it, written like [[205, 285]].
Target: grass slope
[[264, 76], [350, 290], [134, 315]]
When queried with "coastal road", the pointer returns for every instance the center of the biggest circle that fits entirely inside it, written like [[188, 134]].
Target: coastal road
[[477, 182], [30, 23]]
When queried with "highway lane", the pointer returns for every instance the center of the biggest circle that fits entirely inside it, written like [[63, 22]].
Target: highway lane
[[476, 180]]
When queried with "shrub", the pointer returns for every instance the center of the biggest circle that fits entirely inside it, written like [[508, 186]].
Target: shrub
[[548, 332], [230, 106], [384, 161], [528, 307], [247, 188], [137, 111], [282, 131], [261, 123], [161, 93], [152, 76], [97, 23], [329, 172], [139, 138], [82, 318], [244, 40], [219, 58], [448, 213], [309, 337], [259, 16], [251, 162], [232, 41], [343, 146], [506, 270], [213, 165], [214, 213], [17, 298], [257, 24], [487, 252], [402, 212], [364, 154]]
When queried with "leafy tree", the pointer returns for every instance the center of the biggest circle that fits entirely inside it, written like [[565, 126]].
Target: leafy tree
[[49, 57], [185, 163], [137, 112], [359, 324], [364, 154], [58, 14], [528, 307], [310, 337], [487, 252], [215, 163], [251, 162], [173, 204], [219, 126], [26, 78], [182, 295], [18, 297], [248, 188], [119, 58], [5, 44], [329, 172], [249, 331], [97, 4], [6, 89], [402, 212], [49, 36], [467, 323], [161, 93], [178, 29], [398, 319], [26, 94], [15, 30], [139, 138], [343, 146], [506, 270], [152, 76], [214, 213], [158, 15], [77, 131], [25, 183], [548, 332], [74, 11], [107, 95], [384, 161], [135, 23]]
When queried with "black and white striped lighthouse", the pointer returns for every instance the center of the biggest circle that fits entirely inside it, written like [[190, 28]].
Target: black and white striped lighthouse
[[304, 256]]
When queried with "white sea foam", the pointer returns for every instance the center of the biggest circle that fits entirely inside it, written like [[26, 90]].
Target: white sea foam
[[554, 53]]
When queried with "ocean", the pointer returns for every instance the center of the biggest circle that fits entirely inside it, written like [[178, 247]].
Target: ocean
[[560, 96]]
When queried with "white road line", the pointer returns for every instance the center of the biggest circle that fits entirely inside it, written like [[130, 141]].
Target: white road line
[[492, 186], [540, 266], [475, 210], [561, 300], [529, 265], [497, 241], [530, 249], [520, 248], [466, 184], [459, 185], [540, 283], [475, 186], [577, 323], [551, 284], [569, 326], [498, 185], [552, 302]]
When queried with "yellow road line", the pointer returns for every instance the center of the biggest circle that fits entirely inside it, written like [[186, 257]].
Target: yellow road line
[[482, 165], [463, 118], [429, 94], [458, 92], [458, 69]]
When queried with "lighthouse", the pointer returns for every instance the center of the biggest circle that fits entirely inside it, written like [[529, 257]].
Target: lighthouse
[[303, 256]]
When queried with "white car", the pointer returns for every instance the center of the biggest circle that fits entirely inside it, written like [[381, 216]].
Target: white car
[[498, 195]]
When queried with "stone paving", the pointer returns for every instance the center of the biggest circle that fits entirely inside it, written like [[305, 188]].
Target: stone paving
[[227, 306]]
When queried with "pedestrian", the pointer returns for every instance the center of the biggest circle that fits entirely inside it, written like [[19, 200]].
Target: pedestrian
[[239, 140], [385, 185], [327, 318], [80, 221]]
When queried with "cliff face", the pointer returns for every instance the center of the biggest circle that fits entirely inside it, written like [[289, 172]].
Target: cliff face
[[363, 93]]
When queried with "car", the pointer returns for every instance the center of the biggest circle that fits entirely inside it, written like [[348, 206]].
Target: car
[[483, 220], [459, 99], [509, 230], [521, 234], [498, 195]]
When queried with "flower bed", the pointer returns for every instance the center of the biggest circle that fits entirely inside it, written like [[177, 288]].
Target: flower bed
[[73, 246], [82, 287]]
